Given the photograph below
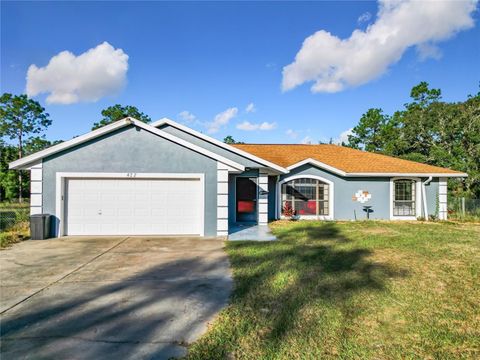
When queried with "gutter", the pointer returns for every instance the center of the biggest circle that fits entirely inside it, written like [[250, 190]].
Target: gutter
[[424, 196]]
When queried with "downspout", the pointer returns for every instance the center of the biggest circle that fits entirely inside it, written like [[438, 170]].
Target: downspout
[[424, 196]]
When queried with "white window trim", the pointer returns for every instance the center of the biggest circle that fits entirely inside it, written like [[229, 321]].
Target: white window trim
[[62, 176], [331, 197], [418, 198]]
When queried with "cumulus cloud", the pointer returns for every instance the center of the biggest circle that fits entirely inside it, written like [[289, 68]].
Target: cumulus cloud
[[250, 108], [221, 119], [343, 137], [365, 17], [186, 116], [68, 79], [248, 126], [292, 133], [334, 64]]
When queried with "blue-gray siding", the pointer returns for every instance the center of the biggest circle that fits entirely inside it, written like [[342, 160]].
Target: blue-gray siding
[[209, 146], [133, 150], [346, 209]]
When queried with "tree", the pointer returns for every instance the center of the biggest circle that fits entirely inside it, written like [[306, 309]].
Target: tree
[[118, 112], [38, 143], [428, 130], [370, 133], [230, 140], [20, 118], [8, 178]]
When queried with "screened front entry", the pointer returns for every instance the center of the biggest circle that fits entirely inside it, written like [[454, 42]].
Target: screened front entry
[[404, 198], [307, 197]]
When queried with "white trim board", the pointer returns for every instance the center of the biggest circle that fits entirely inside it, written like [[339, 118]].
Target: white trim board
[[442, 199], [166, 121], [331, 197], [222, 199], [23, 162], [36, 188], [62, 176]]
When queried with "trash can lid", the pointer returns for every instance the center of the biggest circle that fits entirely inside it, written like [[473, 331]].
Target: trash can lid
[[39, 215]]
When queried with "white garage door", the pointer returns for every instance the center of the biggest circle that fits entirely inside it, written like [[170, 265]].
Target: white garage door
[[133, 207]]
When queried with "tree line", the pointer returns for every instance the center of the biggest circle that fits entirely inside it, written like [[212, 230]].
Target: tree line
[[430, 131], [427, 129]]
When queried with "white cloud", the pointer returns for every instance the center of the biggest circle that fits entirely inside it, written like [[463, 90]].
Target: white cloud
[[343, 137], [306, 140], [186, 116], [334, 64], [248, 126], [292, 133], [427, 51], [365, 17], [250, 108], [68, 79], [221, 120]]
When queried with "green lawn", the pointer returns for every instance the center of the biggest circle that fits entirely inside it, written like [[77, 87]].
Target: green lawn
[[377, 290]]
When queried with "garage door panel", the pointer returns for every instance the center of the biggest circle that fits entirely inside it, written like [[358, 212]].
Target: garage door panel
[[133, 207]]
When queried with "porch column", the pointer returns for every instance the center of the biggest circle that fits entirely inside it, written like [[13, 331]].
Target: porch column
[[222, 199], [262, 199], [442, 199]]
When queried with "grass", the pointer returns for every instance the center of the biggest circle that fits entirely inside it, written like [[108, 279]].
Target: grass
[[14, 234], [373, 290], [14, 222]]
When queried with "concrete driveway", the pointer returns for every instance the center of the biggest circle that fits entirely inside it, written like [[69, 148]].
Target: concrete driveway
[[109, 297]]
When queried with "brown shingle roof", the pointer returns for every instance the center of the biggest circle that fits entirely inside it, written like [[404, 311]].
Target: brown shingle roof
[[343, 158]]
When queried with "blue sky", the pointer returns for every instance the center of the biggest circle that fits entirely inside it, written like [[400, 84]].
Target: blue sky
[[206, 58]]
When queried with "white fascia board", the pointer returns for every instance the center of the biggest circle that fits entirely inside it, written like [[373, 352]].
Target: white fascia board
[[318, 164], [407, 174], [345, 174], [188, 145], [219, 143], [26, 161]]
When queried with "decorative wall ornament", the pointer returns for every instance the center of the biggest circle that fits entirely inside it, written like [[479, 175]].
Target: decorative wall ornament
[[362, 196]]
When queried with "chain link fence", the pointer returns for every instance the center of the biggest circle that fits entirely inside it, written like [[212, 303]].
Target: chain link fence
[[13, 214], [464, 209]]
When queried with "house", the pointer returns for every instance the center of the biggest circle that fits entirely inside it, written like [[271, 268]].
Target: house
[[130, 178]]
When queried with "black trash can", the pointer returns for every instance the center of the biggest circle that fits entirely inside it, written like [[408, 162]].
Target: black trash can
[[40, 226]]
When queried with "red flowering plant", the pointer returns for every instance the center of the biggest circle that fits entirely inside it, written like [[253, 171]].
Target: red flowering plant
[[288, 211]]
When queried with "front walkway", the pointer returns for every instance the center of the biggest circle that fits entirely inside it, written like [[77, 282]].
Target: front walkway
[[109, 297], [252, 232]]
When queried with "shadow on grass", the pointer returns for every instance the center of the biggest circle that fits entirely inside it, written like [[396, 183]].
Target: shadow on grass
[[310, 264]]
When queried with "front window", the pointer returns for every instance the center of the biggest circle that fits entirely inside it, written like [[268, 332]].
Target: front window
[[306, 196], [404, 198]]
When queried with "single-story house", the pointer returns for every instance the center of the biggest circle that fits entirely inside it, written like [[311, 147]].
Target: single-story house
[[131, 178]]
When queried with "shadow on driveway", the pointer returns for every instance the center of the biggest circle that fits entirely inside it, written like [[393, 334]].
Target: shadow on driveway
[[153, 313]]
